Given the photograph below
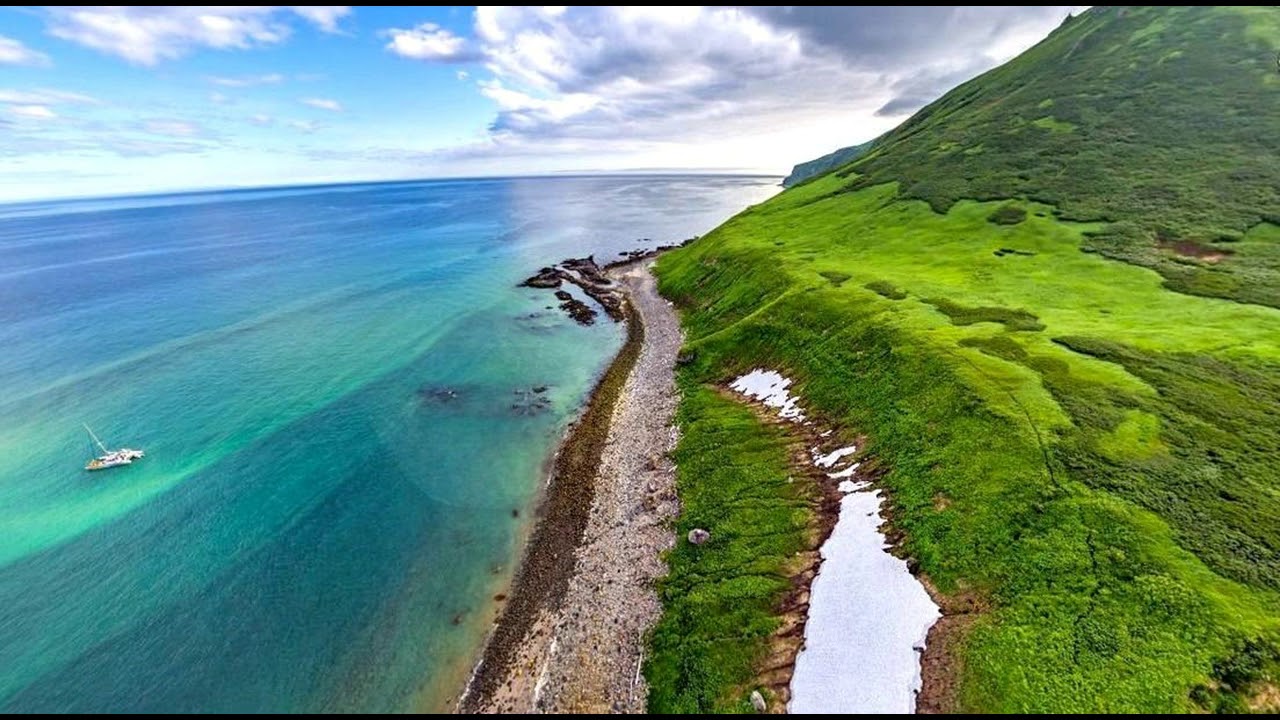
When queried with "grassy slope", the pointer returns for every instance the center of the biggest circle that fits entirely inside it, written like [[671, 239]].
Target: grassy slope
[[1162, 121], [1051, 462], [1074, 438], [719, 598]]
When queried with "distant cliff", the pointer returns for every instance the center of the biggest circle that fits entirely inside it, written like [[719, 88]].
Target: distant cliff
[[830, 161]]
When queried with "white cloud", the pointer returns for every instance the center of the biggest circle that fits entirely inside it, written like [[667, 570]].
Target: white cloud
[[39, 104], [33, 112], [13, 52], [606, 73], [147, 35], [303, 126], [728, 87], [261, 120], [325, 17], [246, 80], [322, 104], [430, 42], [45, 96]]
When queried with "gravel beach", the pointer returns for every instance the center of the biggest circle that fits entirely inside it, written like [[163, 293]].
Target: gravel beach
[[580, 650]]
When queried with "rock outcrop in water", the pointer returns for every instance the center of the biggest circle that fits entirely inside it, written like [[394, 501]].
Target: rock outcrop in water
[[546, 278], [590, 278]]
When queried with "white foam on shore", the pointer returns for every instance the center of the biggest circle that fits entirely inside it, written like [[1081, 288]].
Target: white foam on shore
[[770, 388], [831, 458], [867, 617]]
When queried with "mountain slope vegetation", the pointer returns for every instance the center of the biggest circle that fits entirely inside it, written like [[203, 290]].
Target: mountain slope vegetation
[[1164, 123], [1056, 322]]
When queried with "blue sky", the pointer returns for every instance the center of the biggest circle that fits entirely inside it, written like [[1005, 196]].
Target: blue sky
[[112, 100]]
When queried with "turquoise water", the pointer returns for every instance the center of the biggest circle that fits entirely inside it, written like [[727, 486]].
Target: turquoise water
[[313, 529]]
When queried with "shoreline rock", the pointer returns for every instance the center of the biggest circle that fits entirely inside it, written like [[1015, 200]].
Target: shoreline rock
[[630, 256], [546, 278], [591, 279]]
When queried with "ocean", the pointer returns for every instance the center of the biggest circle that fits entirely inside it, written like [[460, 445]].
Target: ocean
[[334, 387]]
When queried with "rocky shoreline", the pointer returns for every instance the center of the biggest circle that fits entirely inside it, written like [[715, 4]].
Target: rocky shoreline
[[594, 281], [571, 638], [588, 277]]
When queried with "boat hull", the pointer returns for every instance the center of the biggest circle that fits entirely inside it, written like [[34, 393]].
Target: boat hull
[[118, 458]]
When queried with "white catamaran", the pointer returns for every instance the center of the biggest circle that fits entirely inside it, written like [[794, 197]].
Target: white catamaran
[[111, 458]]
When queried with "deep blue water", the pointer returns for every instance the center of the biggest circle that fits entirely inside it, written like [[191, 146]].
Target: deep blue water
[[313, 529]]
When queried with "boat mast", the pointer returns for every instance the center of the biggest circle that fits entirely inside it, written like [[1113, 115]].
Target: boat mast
[[95, 439]]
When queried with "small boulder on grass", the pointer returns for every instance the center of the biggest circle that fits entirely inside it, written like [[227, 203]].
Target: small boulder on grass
[[698, 536]]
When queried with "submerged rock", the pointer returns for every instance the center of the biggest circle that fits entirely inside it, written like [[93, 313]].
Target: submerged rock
[[579, 311], [438, 394], [529, 403]]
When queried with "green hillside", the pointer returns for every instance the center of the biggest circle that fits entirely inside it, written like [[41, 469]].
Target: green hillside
[[1050, 301], [1162, 122]]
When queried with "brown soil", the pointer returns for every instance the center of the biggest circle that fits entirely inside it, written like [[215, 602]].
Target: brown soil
[[1190, 248], [941, 666], [1265, 699]]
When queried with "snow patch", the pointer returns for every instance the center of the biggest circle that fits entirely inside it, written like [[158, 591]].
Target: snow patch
[[845, 473], [834, 456], [770, 388], [868, 618], [868, 615]]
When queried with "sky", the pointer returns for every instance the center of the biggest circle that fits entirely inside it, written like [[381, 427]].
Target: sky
[[116, 100]]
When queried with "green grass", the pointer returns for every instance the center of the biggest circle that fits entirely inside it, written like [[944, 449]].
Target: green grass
[[719, 598], [1106, 447], [1049, 299], [1163, 125], [1052, 124]]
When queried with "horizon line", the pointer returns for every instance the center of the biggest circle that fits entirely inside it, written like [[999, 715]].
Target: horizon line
[[566, 174]]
